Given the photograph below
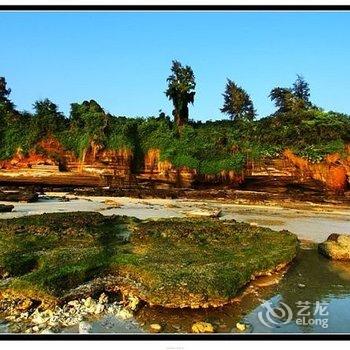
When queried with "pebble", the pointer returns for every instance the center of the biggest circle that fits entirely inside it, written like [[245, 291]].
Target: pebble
[[99, 308], [46, 331], [133, 302], [84, 327], [202, 327], [88, 302], [70, 314], [241, 326], [124, 314], [103, 299], [155, 328]]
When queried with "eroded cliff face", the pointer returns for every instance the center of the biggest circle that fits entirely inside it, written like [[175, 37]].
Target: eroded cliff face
[[154, 168], [333, 171], [47, 153], [163, 170], [99, 161], [115, 167]]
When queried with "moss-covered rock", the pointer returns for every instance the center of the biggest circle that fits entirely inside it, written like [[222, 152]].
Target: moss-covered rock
[[171, 262]]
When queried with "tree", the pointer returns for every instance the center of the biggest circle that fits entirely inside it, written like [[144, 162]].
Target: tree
[[283, 99], [5, 103], [90, 117], [301, 89], [293, 99], [47, 119], [89, 120], [237, 103], [181, 85], [4, 91]]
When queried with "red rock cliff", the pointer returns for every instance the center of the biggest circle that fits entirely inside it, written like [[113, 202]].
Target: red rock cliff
[[333, 171]]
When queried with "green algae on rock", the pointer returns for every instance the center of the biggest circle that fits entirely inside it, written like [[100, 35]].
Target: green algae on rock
[[170, 262]]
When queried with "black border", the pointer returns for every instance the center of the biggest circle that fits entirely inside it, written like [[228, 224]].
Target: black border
[[193, 337]]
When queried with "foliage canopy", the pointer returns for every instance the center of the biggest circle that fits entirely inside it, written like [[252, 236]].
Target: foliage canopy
[[181, 85], [209, 147], [237, 103]]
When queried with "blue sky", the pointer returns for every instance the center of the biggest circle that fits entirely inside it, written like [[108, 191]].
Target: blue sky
[[122, 59]]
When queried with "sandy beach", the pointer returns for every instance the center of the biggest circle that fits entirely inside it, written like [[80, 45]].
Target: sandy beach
[[310, 221]]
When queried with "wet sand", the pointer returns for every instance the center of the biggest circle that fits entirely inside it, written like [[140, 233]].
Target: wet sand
[[310, 222]]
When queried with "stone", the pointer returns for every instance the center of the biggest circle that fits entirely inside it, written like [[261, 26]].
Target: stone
[[84, 327], [112, 203], [266, 281], [199, 212], [4, 208], [17, 196], [202, 327], [216, 213], [25, 305], [155, 328], [46, 331], [74, 303], [89, 302], [37, 318], [124, 314], [103, 299], [133, 302], [99, 308], [241, 326], [336, 247]]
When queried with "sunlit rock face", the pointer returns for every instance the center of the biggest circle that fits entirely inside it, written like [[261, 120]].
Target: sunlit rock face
[[99, 161], [183, 176], [157, 169], [333, 171], [106, 166], [48, 152]]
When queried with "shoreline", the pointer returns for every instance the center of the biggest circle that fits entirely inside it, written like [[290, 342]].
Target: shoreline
[[310, 221]]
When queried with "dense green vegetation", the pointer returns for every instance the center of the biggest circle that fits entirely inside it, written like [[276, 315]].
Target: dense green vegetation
[[209, 147], [169, 262]]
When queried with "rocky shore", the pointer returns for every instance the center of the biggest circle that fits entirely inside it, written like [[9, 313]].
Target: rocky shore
[[52, 264], [132, 258], [25, 316]]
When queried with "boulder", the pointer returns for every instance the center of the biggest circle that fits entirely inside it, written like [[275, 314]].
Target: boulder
[[19, 196], [4, 208], [336, 247]]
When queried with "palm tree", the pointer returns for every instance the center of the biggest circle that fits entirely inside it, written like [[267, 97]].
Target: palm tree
[[181, 85]]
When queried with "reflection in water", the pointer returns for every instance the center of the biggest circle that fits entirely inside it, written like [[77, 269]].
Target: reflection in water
[[316, 290]]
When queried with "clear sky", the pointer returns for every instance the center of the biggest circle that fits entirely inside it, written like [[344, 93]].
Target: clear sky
[[122, 59]]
